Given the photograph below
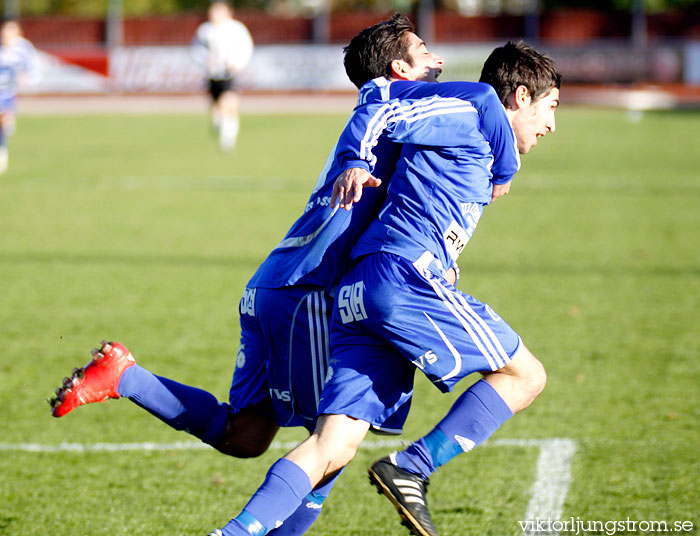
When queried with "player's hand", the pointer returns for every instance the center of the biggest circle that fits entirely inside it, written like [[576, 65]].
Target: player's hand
[[499, 190], [451, 276], [347, 188]]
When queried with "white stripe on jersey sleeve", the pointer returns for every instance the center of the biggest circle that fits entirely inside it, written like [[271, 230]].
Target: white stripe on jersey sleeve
[[394, 112]]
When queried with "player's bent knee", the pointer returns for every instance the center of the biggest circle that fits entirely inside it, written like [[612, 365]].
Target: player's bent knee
[[234, 446], [247, 435], [534, 376], [343, 455], [537, 379], [339, 437], [241, 451], [529, 374]]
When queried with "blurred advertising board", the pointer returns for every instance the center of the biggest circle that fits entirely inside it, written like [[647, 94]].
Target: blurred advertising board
[[171, 69]]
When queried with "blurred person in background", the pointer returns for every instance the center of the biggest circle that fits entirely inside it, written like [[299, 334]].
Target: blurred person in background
[[223, 46], [18, 66]]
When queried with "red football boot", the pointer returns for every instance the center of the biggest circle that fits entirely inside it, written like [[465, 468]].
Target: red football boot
[[95, 382]]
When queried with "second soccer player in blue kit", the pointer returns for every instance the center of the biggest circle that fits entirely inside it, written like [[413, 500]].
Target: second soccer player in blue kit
[[395, 311]]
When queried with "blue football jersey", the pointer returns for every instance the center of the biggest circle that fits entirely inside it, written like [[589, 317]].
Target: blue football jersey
[[437, 194], [316, 250]]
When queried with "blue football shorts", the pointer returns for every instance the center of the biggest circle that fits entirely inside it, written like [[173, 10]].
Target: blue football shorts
[[283, 356], [392, 317]]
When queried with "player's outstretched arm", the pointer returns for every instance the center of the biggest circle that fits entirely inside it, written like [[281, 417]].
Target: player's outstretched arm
[[347, 188]]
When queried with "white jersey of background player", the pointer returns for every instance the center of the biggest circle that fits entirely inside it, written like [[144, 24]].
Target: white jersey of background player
[[223, 46], [18, 65]]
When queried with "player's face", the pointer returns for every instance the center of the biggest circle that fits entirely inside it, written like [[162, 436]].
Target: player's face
[[9, 33], [219, 13], [535, 119], [426, 65]]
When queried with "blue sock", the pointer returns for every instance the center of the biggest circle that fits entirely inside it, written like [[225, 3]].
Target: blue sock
[[183, 407], [309, 510], [472, 419], [284, 489]]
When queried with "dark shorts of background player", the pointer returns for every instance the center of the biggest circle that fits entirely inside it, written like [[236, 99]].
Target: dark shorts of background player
[[218, 87]]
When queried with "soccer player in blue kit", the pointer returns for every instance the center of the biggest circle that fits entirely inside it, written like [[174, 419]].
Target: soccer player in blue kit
[[395, 311], [282, 361]]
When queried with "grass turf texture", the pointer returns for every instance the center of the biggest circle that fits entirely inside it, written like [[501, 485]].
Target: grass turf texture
[[140, 230]]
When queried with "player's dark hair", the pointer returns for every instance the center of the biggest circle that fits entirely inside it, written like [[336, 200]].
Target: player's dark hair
[[518, 64], [370, 53], [225, 3]]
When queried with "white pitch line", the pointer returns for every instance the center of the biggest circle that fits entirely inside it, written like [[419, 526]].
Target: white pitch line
[[551, 484], [547, 496], [101, 447], [543, 444]]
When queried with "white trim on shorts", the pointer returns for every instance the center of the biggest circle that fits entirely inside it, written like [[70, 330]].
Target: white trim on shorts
[[481, 334], [319, 339]]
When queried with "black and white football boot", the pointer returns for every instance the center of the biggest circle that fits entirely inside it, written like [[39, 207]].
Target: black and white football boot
[[406, 491]]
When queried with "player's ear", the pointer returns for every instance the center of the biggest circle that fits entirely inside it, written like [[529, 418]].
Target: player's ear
[[521, 97], [398, 69]]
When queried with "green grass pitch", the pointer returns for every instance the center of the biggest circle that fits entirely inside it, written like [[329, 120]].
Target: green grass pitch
[[136, 228]]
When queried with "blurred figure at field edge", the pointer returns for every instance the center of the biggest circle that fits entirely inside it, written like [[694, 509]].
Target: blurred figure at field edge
[[223, 46], [18, 65]]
